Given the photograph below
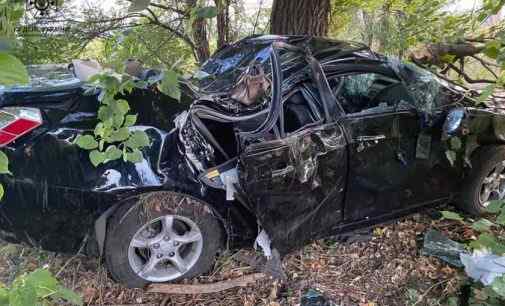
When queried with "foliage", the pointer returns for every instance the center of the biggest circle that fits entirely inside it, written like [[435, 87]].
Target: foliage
[[12, 70], [112, 138], [148, 44], [449, 215], [37, 288], [489, 238], [394, 26]]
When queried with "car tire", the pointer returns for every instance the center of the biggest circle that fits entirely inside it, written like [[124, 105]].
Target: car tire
[[129, 260], [487, 162]]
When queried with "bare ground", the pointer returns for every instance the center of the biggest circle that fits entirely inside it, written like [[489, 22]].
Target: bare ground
[[385, 270]]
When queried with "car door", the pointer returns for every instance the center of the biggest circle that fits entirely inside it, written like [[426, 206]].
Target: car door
[[390, 169], [296, 184]]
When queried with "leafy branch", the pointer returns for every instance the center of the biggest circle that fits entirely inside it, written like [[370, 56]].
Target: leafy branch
[[112, 137], [37, 288]]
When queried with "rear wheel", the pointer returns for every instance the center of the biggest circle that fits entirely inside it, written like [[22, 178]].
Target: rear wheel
[[486, 180], [163, 237]]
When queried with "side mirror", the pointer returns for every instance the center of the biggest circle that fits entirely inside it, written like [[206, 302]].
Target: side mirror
[[453, 122]]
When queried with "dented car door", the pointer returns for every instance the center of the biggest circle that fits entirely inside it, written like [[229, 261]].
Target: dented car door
[[297, 184]]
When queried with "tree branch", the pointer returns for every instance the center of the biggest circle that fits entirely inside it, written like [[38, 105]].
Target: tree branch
[[485, 65], [467, 78]]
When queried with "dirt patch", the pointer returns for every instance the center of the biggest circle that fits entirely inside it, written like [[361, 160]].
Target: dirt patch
[[387, 269]]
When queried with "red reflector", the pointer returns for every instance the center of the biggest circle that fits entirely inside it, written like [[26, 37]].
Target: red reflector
[[6, 138], [20, 126]]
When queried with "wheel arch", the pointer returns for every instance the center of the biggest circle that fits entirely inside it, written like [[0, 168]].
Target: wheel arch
[[231, 226]]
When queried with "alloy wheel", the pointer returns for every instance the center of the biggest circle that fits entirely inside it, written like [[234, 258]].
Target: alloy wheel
[[165, 248]]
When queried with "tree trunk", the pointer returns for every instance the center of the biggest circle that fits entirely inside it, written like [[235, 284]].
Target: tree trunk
[[384, 27], [300, 17], [223, 29], [199, 35]]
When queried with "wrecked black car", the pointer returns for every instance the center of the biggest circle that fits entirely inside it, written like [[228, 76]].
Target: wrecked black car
[[278, 140]]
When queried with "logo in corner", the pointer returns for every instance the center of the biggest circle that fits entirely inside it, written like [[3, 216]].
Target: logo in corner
[[43, 7]]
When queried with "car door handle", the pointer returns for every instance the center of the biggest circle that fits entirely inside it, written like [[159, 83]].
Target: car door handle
[[374, 138]]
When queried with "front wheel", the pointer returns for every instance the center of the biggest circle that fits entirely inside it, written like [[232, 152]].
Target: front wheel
[[486, 180], [163, 237]]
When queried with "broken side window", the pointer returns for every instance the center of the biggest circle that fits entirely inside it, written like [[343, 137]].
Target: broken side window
[[299, 111], [369, 92]]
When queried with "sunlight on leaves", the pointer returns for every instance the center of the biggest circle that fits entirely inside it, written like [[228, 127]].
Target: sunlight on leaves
[[12, 71]]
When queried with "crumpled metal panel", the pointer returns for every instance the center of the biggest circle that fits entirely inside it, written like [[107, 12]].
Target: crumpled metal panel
[[296, 184]]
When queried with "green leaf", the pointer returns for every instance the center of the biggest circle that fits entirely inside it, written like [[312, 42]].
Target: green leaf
[[495, 206], [169, 85], [134, 157], [119, 135], [105, 112], [99, 129], [69, 296], [486, 93], [138, 139], [455, 143], [43, 282], [492, 49], [127, 86], [501, 218], [449, 215], [4, 295], [4, 163], [2, 191], [22, 294], [113, 153], [482, 225], [96, 157], [448, 58], [490, 242], [117, 121], [12, 71], [206, 12], [498, 286], [86, 142], [130, 120], [123, 106], [451, 156]]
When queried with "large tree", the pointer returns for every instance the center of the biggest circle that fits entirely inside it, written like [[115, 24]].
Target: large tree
[[300, 17]]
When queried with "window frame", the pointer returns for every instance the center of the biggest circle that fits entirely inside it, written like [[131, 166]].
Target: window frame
[[356, 69]]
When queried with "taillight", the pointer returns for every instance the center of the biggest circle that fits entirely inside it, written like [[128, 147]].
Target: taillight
[[17, 121]]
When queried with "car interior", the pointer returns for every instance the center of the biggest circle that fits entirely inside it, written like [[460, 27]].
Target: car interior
[[368, 91]]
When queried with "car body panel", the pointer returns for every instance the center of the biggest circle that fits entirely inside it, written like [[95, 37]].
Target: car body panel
[[296, 186]]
